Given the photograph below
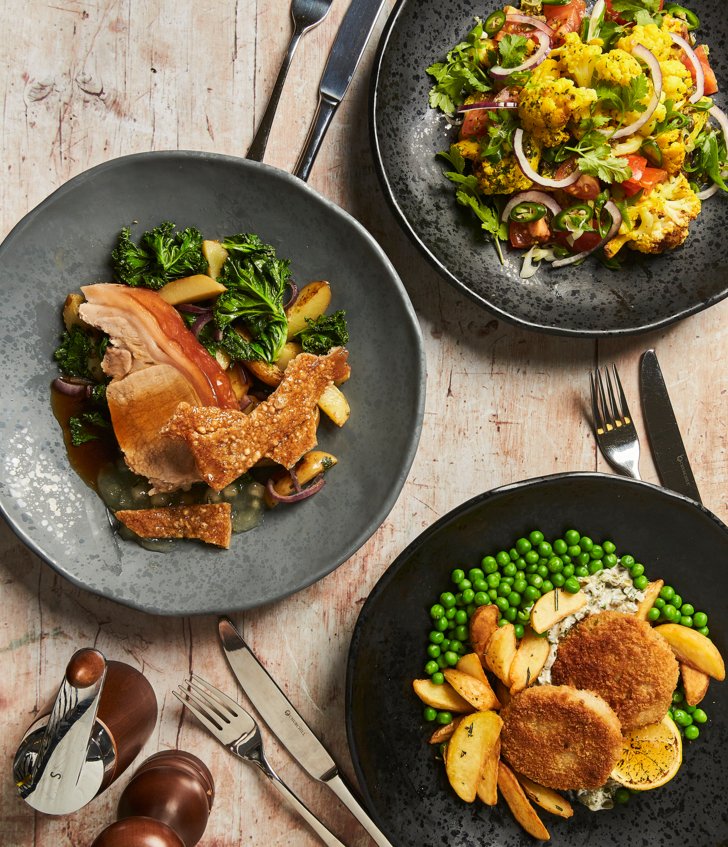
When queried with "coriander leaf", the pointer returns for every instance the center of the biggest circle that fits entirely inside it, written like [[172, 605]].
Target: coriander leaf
[[595, 157], [454, 157], [74, 351], [461, 74], [82, 427], [639, 11], [501, 129], [255, 280], [323, 333], [512, 50], [624, 98], [161, 256], [487, 214]]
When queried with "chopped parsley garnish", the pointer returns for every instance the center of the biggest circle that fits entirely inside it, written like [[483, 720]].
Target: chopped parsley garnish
[[512, 50], [461, 74]]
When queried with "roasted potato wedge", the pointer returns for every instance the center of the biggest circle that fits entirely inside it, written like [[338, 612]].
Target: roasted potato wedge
[[312, 464], [268, 374], [553, 607], [290, 350], [694, 649], [216, 255], [467, 750], [470, 664], [483, 623], [695, 684], [444, 733], [477, 692], [71, 316], [652, 592], [502, 692], [442, 697], [312, 301], [501, 652], [190, 289], [519, 804], [529, 660], [546, 798], [334, 405], [487, 790]]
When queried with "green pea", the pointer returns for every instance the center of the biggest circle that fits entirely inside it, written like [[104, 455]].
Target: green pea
[[690, 709], [677, 697], [547, 586], [568, 571], [481, 598], [437, 611], [555, 565], [667, 592], [566, 559], [700, 619], [510, 614], [455, 646], [445, 645], [535, 537], [703, 630], [451, 624], [465, 583], [609, 546], [518, 627], [640, 583], [581, 571], [532, 557], [586, 543], [502, 603], [670, 613], [514, 554], [468, 596], [441, 624], [572, 585], [451, 657], [436, 637], [520, 585], [450, 613], [610, 560], [574, 550], [621, 796], [438, 678], [523, 545], [492, 593], [532, 593], [431, 667], [595, 566], [687, 609], [524, 615], [447, 598], [480, 585], [571, 536], [558, 579], [681, 717], [429, 714], [474, 574], [470, 609], [433, 651], [504, 589], [653, 614], [520, 574], [583, 559], [493, 580], [461, 633], [514, 598], [545, 549], [441, 663], [691, 732], [699, 716], [509, 569], [659, 603], [444, 718], [596, 552], [502, 558], [542, 571], [627, 561], [458, 599], [489, 564], [677, 601], [461, 617], [457, 576], [685, 620], [560, 546]]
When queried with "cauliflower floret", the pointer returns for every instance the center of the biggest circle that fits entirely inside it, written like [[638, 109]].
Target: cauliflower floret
[[547, 107], [502, 177], [576, 59], [676, 25], [618, 67], [676, 80], [660, 220], [656, 40], [673, 150]]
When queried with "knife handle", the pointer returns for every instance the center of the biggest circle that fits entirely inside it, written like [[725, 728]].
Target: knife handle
[[336, 784], [299, 806], [324, 112]]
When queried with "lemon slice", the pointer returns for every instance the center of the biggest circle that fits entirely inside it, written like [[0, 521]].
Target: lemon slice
[[651, 756]]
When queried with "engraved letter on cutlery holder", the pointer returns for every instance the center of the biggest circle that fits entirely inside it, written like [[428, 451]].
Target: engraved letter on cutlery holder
[[81, 742]]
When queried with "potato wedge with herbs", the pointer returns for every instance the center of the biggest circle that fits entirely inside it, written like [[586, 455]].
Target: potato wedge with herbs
[[312, 301], [483, 623], [519, 803], [652, 592], [529, 660], [501, 652], [216, 255], [190, 289], [487, 789], [695, 684], [694, 649], [478, 693], [553, 607], [546, 798], [467, 750], [443, 697], [470, 664]]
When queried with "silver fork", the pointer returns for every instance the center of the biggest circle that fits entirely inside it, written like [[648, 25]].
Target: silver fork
[[613, 425], [235, 729], [306, 15]]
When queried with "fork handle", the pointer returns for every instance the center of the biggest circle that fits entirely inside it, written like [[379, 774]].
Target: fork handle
[[316, 825]]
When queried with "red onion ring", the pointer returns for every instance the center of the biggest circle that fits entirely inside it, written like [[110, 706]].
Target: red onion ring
[[611, 207], [488, 104], [530, 21], [649, 58], [697, 67], [525, 166], [192, 309], [71, 388], [314, 488], [544, 48], [244, 402], [201, 322], [531, 197], [707, 193], [293, 296]]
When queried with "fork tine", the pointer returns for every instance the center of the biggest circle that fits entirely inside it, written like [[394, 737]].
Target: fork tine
[[622, 398], [608, 416], [196, 708], [596, 411], [223, 700], [616, 411]]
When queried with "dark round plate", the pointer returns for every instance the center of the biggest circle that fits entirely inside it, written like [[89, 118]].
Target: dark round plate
[[589, 300], [65, 243], [406, 789]]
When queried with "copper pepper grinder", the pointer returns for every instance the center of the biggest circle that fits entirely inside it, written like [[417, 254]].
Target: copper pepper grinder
[[166, 804], [100, 719]]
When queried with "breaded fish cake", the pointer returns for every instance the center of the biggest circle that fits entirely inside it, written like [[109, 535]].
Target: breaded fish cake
[[622, 659], [561, 737]]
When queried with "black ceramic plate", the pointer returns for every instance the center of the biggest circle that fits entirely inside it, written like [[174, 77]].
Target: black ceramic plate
[[65, 243], [588, 300], [406, 788]]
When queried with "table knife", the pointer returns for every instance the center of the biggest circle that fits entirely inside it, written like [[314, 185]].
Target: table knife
[[342, 63], [668, 450], [287, 724]]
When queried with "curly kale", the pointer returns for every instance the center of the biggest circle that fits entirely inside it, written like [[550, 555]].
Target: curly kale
[[255, 280], [323, 333], [73, 354], [160, 256], [84, 427]]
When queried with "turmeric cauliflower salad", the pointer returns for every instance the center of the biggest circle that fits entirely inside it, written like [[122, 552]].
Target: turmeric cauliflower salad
[[583, 131]]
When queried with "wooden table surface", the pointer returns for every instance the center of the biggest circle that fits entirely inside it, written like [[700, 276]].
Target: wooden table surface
[[84, 82]]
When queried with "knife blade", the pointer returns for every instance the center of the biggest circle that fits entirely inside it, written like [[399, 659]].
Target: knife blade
[[286, 723], [668, 450], [351, 39]]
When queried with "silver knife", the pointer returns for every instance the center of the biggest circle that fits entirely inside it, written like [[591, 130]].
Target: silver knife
[[666, 443], [342, 63], [287, 725]]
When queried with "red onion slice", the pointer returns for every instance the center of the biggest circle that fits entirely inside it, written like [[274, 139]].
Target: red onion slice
[[314, 488], [531, 197], [611, 207], [544, 48], [201, 321], [697, 67], [71, 388], [530, 21], [649, 58], [525, 166], [707, 193], [293, 295], [488, 104]]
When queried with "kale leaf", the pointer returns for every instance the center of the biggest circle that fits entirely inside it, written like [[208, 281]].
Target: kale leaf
[[323, 333], [74, 351], [461, 74], [160, 256], [256, 281], [82, 427]]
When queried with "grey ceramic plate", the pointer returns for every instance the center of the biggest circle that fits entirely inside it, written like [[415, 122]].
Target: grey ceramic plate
[[406, 788], [65, 243], [588, 300]]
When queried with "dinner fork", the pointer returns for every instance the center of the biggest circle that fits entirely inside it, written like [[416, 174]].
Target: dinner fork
[[613, 425], [306, 15], [235, 729]]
